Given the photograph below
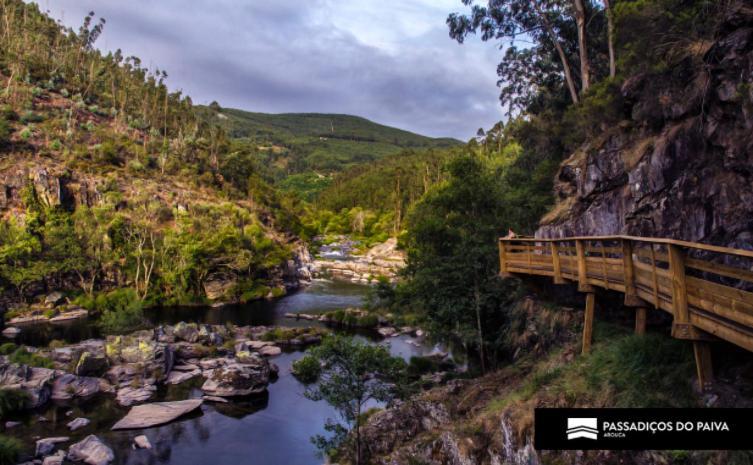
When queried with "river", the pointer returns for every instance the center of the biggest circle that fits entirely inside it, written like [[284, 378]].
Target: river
[[271, 429]]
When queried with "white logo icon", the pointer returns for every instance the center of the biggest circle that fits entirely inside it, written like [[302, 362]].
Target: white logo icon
[[582, 428]]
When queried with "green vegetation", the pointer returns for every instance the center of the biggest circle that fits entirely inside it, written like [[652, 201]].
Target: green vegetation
[[12, 400], [22, 356], [121, 310], [351, 373], [313, 142], [10, 448], [306, 369], [177, 204]]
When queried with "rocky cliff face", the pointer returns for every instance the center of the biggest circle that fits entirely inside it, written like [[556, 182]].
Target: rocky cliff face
[[682, 165]]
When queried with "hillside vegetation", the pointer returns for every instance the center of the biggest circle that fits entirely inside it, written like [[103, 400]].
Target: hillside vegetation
[[302, 151], [109, 180]]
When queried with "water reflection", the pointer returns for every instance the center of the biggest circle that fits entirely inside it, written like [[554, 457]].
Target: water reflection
[[270, 429]]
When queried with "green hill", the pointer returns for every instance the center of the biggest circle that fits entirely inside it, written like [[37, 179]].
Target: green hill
[[304, 149]]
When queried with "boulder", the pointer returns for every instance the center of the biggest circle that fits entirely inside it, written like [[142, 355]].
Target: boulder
[[12, 424], [11, 332], [158, 413], [220, 400], [177, 377], [92, 451], [140, 348], [188, 350], [68, 386], [220, 286], [128, 396], [188, 332], [270, 351], [387, 331], [70, 315], [36, 382], [238, 379], [90, 364], [54, 299], [56, 459], [45, 446], [142, 442], [78, 423]]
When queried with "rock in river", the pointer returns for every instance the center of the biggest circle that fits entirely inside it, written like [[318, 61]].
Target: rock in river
[[34, 381], [47, 445], [144, 416], [142, 442], [128, 396], [78, 423], [11, 332], [68, 386], [92, 451], [238, 379]]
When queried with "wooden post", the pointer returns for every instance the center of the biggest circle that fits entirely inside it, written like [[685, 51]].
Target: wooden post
[[631, 294], [681, 327], [640, 321], [702, 352], [556, 263], [503, 260], [588, 323], [583, 285]]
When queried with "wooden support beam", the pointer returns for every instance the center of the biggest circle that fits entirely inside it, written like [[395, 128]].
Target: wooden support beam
[[503, 260], [583, 285], [640, 320], [588, 323], [704, 368], [558, 279]]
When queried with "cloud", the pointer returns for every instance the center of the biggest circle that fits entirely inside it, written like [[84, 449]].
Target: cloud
[[390, 61]]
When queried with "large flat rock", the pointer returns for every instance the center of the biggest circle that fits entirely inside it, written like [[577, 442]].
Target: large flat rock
[[157, 413]]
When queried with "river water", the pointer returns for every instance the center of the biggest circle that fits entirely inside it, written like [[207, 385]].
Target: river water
[[272, 429]]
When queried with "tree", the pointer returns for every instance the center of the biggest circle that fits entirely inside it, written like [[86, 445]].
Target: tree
[[352, 374], [452, 265]]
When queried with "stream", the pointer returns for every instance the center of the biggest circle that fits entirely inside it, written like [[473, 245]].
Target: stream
[[274, 428]]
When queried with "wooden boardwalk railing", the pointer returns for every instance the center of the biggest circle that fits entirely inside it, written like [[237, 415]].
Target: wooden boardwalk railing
[[706, 289]]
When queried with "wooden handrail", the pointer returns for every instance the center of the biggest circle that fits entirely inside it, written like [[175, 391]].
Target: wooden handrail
[[654, 240], [703, 303], [706, 299]]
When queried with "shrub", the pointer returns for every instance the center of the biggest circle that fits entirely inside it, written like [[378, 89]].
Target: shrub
[[306, 369], [368, 321], [24, 357], [122, 311], [7, 348], [26, 134], [12, 400], [9, 450]]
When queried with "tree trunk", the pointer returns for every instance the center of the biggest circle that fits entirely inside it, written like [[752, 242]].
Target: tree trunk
[[610, 39], [358, 435], [477, 305], [560, 52], [585, 66]]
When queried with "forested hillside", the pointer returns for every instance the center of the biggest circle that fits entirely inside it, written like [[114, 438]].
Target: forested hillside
[[302, 151], [109, 180]]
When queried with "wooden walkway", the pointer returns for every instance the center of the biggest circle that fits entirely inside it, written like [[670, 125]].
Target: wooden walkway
[[706, 289]]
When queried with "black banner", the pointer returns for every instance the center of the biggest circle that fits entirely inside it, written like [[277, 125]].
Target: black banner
[[642, 429]]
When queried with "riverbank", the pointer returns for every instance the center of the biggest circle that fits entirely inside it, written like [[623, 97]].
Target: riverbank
[[274, 426]]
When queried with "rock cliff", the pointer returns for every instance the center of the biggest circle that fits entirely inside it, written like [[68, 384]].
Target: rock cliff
[[681, 164]]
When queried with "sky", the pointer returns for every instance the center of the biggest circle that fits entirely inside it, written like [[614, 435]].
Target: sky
[[391, 61]]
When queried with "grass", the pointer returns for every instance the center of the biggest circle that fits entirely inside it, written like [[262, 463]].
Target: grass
[[9, 450], [622, 370]]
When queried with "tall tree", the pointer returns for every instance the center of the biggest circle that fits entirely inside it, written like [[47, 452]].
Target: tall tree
[[610, 38], [508, 19], [585, 67]]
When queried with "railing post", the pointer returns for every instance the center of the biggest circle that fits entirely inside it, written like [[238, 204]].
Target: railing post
[[631, 294], [503, 259], [588, 322], [583, 285], [681, 327], [556, 263]]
